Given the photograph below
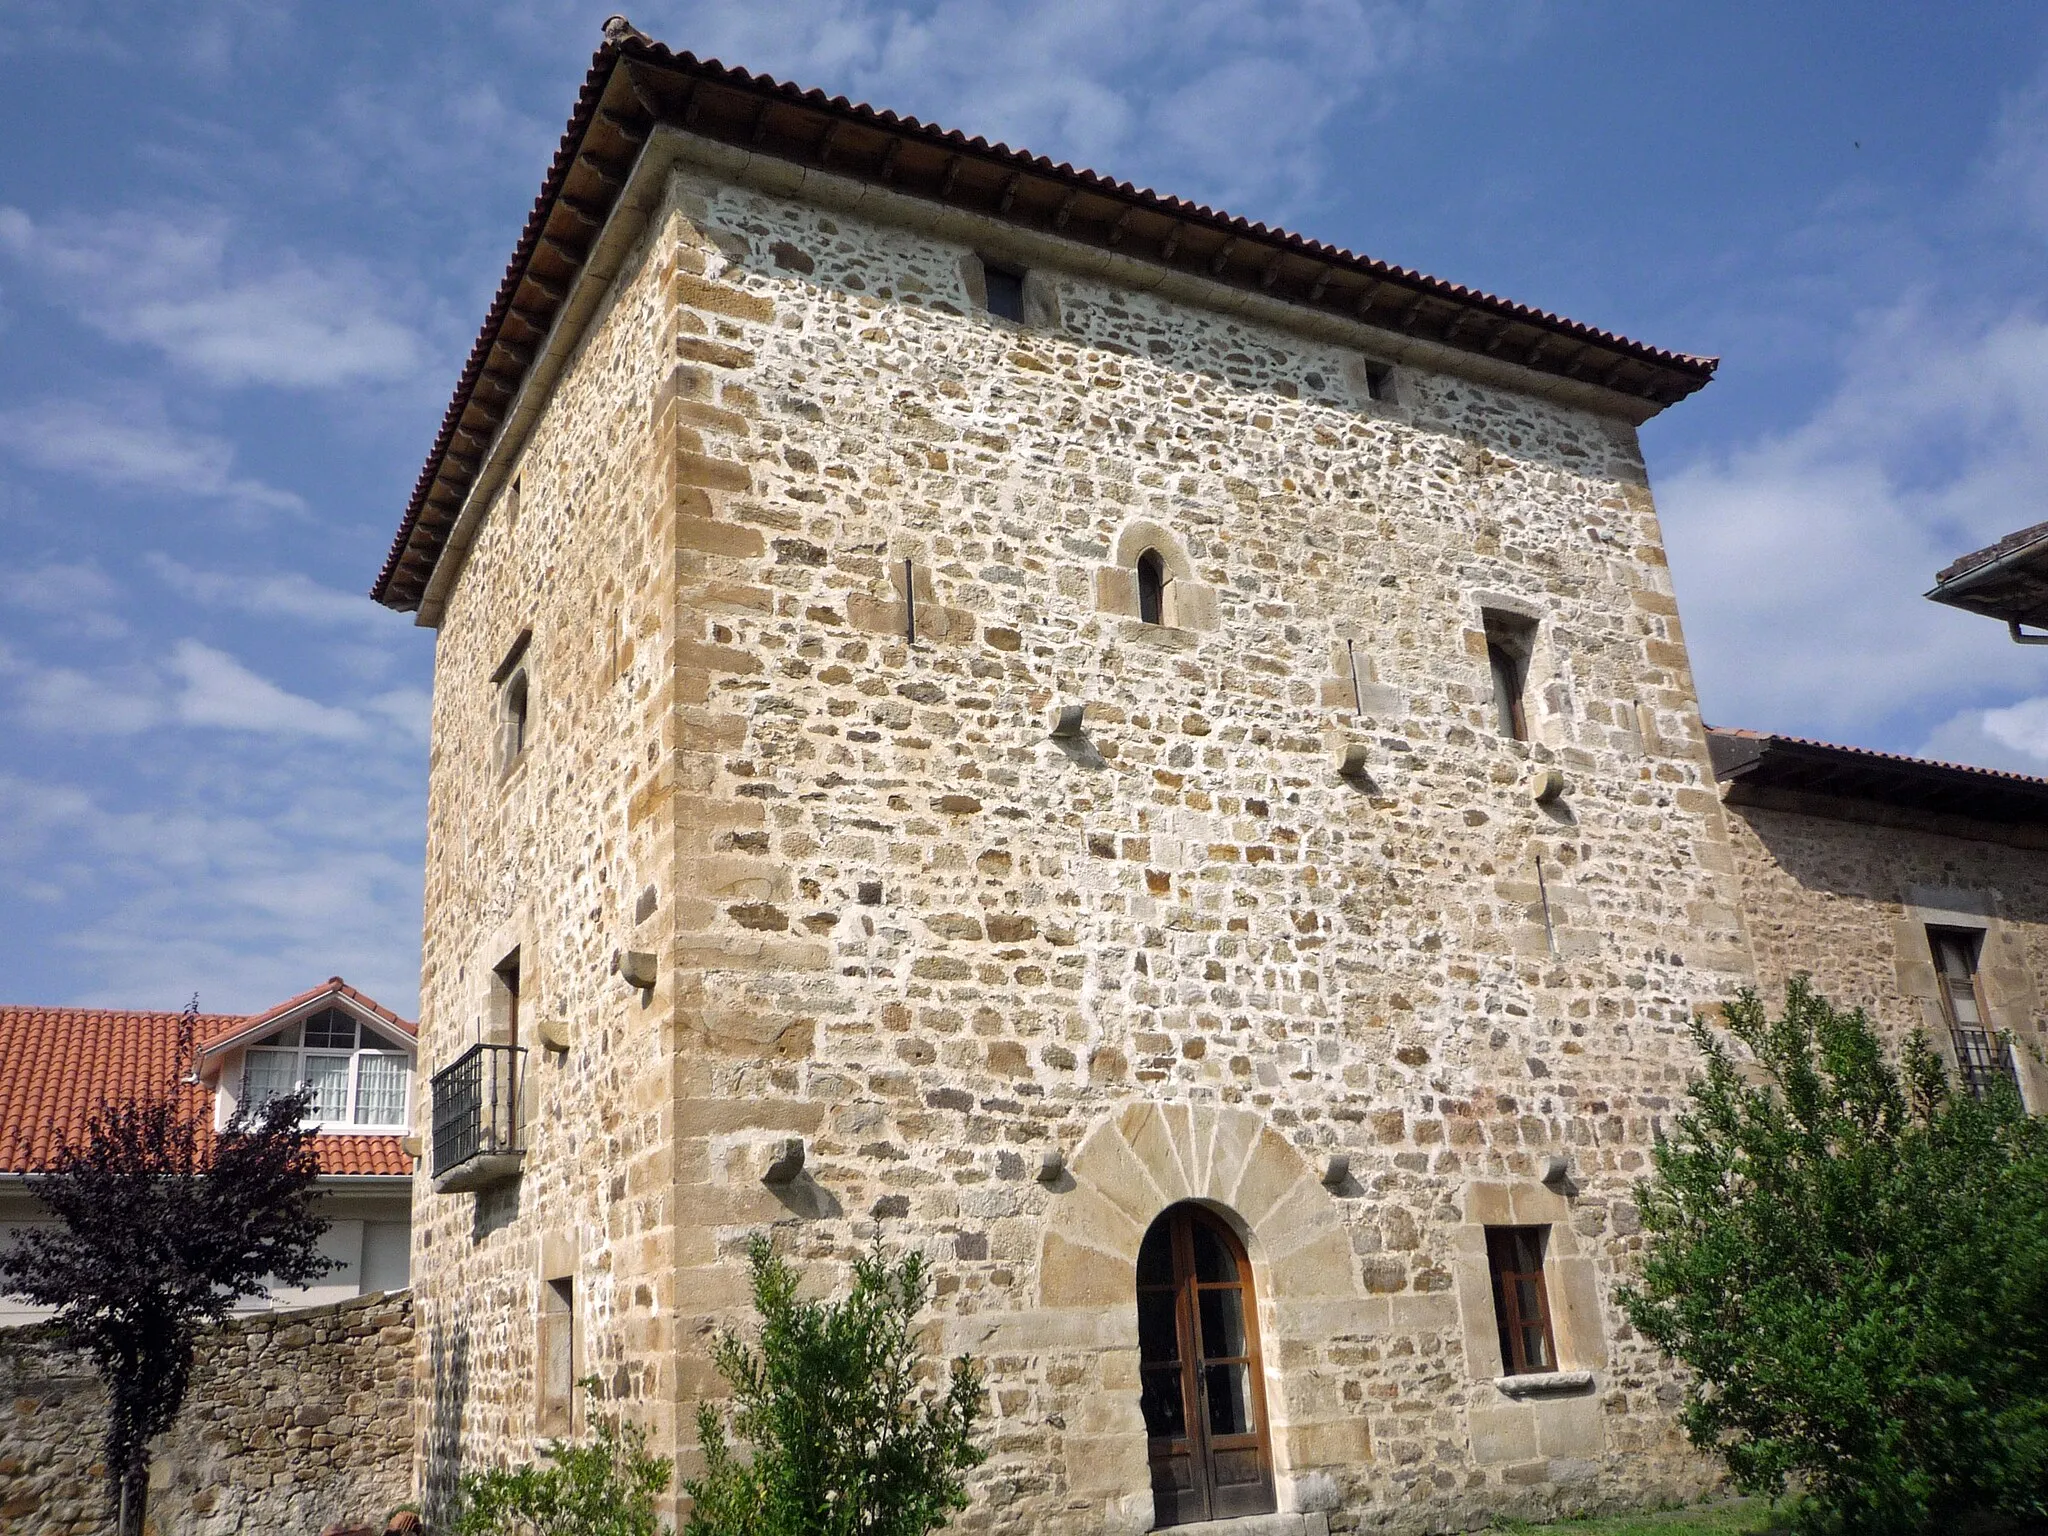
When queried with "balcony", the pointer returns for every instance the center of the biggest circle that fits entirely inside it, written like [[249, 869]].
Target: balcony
[[477, 1135], [1982, 1059]]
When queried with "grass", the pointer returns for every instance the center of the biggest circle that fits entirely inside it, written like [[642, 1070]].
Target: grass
[[1728, 1517]]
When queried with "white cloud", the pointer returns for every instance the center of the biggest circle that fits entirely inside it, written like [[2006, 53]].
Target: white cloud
[[1802, 555], [129, 449], [1218, 99], [64, 701], [2022, 727], [220, 691], [197, 686], [1801, 558], [274, 594], [224, 887], [182, 285], [79, 598]]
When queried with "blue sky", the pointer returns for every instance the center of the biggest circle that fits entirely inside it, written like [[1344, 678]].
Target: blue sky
[[244, 246]]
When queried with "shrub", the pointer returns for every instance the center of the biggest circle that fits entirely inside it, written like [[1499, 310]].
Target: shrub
[[843, 1442], [1852, 1259], [606, 1487]]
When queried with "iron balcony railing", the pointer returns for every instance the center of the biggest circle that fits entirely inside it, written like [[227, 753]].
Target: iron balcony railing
[[476, 1113], [1984, 1058]]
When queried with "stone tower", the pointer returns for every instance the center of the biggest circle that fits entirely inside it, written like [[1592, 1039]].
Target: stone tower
[[1145, 757]]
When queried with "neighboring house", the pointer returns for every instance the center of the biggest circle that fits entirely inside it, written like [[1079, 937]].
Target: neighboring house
[[58, 1065], [1150, 759], [1915, 890], [2006, 581]]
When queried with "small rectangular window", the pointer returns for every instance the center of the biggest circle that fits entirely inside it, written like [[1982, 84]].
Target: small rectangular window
[[558, 1363], [1521, 1304], [1379, 381], [1005, 286], [1509, 640]]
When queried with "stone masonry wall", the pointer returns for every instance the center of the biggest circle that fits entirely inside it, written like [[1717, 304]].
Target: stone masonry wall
[[552, 858], [295, 1421], [900, 921], [1846, 894]]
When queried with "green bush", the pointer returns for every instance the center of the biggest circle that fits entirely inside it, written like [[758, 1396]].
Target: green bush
[[843, 1441], [1852, 1259], [606, 1487]]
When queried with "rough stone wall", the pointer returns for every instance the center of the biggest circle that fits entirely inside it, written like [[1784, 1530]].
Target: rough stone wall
[[900, 921], [1845, 893], [295, 1421]]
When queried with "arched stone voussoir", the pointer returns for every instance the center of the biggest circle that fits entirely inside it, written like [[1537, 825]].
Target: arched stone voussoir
[[1161, 1136], [1152, 1155]]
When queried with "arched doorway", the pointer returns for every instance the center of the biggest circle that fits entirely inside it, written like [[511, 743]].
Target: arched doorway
[[1203, 1390]]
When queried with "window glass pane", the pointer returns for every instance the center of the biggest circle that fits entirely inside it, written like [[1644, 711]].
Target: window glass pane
[[1158, 1333], [380, 1088], [328, 1075], [1222, 1324], [1229, 1392], [1535, 1348], [1155, 1258], [1528, 1249], [1160, 1398], [267, 1075], [1213, 1258], [331, 1029]]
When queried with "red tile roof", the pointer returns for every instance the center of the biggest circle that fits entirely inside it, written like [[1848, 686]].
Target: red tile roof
[[636, 84], [59, 1065], [1760, 759]]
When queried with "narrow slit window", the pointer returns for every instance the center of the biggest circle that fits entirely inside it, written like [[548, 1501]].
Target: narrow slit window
[[558, 1363], [1005, 286], [1379, 381], [1509, 641], [1152, 587], [505, 983], [1521, 1303]]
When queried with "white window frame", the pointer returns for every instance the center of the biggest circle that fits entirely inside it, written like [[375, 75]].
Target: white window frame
[[354, 1055]]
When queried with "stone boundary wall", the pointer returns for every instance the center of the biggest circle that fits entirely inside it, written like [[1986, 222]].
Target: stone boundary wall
[[295, 1420]]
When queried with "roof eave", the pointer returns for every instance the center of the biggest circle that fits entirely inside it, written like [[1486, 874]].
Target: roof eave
[[619, 109]]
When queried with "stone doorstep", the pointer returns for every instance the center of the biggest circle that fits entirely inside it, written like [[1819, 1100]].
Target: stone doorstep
[[1315, 1523]]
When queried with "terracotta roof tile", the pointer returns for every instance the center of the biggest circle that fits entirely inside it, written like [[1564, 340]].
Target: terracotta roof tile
[[1991, 552], [59, 1065]]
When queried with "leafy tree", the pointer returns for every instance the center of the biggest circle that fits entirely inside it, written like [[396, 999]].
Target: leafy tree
[[1852, 1259], [605, 1488], [843, 1441], [162, 1228]]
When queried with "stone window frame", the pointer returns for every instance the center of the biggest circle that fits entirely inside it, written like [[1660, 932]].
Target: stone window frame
[[558, 1281], [1188, 606], [1544, 704], [2004, 990], [1554, 1413], [512, 716], [496, 1016], [1041, 298]]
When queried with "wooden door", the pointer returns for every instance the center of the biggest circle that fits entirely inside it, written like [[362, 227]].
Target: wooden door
[[1202, 1387]]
